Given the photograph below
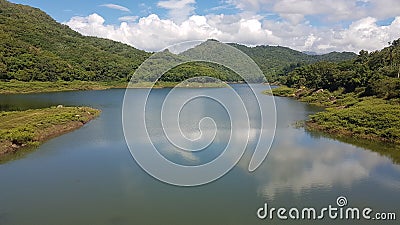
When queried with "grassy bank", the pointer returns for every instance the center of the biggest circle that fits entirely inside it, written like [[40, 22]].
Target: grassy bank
[[370, 118], [163, 84], [22, 130], [20, 87], [349, 115], [281, 91]]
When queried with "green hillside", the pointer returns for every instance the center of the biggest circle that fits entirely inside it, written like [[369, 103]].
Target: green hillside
[[277, 61], [195, 69], [33, 46], [274, 62]]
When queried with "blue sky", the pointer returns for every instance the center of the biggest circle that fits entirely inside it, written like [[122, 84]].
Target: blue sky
[[318, 25], [64, 10]]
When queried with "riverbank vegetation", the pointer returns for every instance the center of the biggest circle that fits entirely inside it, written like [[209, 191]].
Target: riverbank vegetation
[[362, 96], [20, 130], [20, 87], [369, 118]]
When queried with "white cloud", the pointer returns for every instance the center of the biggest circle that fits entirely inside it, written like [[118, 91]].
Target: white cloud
[[382, 9], [128, 18], [329, 163], [327, 10], [179, 10], [250, 5], [117, 7], [335, 9], [248, 27], [152, 33], [293, 18], [364, 33]]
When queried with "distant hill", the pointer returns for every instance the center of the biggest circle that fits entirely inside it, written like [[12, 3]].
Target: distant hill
[[273, 61], [33, 46], [276, 60]]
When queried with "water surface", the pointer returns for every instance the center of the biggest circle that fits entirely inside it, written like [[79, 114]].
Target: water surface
[[88, 176]]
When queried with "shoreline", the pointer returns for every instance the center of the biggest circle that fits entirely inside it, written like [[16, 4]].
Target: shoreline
[[23, 131], [341, 132], [347, 115], [32, 87]]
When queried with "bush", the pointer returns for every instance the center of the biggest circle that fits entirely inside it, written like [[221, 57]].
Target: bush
[[371, 117], [20, 135], [281, 91]]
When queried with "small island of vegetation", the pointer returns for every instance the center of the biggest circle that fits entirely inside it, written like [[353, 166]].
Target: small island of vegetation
[[22, 130]]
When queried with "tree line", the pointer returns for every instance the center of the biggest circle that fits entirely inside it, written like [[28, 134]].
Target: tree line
[[370, 73]]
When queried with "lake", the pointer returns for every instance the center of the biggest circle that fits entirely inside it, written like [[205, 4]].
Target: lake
[[89, 176]]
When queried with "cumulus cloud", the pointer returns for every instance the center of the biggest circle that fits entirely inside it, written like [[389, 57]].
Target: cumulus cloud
[[179, 10], [364, 33], [117, 7], [293, 28], [153, 34]]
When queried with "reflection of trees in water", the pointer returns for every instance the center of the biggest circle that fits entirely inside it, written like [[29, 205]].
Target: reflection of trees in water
[[389, 150]]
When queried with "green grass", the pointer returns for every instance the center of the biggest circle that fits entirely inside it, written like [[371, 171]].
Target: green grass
[[163, 84], [281, 91], [370, 118], [20, 87], [28, 128], [348, 115], [14, 87]]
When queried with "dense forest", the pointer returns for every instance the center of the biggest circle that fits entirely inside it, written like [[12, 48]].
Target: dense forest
[[34, 47], [200, 70], [277, 61], [371, 74], [362, 95]]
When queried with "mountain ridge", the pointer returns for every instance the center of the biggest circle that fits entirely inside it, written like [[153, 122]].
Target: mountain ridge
[[276, 61]]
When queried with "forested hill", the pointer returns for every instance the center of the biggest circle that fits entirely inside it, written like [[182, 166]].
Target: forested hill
[[376, 73], [363, 95], [33, 46], [276, 61]]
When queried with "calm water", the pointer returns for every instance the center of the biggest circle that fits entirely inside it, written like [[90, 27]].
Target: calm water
[[89, 176]]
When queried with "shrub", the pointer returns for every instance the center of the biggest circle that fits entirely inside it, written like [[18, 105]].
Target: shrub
[[20, 135]]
